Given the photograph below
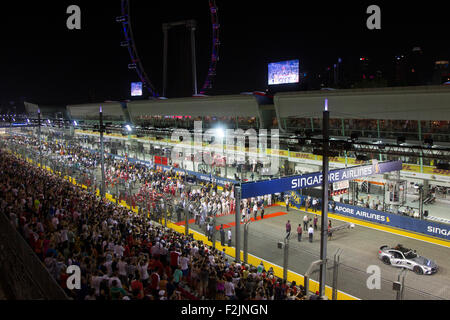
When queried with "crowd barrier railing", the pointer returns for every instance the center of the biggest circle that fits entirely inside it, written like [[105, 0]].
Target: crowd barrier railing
[[22, 273]]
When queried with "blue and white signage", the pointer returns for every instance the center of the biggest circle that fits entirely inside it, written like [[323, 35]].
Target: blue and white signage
[[315, 179], [425, 227]]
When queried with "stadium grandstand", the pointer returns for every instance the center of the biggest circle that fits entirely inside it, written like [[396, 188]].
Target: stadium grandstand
[[123, 216]]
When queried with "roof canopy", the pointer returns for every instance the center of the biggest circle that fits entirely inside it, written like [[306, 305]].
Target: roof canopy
[[111, 111], [409, 103], [220, 106]]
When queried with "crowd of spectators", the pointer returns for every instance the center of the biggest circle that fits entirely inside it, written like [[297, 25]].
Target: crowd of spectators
[[151, 184], [121, 254], [206, 200]]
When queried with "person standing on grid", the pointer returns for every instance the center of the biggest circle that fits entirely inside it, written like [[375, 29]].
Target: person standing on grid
[[311, 233], [243, 214], [288, 229], [299, 233], [314, 204], [305, 222]]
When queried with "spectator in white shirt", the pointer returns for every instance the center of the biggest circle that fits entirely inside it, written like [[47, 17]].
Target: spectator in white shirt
[[183, 261], [311, 233], [143, 271], [119, 250], [116, 278], [229, 289]]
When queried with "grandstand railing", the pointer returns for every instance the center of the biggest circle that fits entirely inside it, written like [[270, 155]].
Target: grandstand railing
[[21, 271]]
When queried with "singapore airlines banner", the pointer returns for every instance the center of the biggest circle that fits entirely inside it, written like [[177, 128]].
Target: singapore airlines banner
[[425, 227], [315, 179]]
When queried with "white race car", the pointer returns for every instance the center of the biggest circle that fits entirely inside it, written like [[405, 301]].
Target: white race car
[[407, 258]]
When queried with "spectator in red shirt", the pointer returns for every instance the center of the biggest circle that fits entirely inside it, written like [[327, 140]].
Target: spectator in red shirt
[[174, 254], [137, 287], [154, 283], [158, 266]]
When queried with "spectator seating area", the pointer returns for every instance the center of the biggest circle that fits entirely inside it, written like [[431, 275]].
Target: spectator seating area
[[122, 255]]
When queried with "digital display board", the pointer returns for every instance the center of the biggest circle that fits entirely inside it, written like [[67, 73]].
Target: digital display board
[[136, 89], [341, 185], [284, 72]]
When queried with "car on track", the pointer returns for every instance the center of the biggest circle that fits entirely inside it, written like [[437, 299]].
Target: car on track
[[402, 257]]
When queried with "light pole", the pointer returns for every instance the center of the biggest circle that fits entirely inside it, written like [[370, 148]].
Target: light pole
[[186, 216], [325, 185], [39, 136], [213, 231], [246, 226], [285, 258], [223, 133], [421, 202], [102, 155], [164, 202], [237, 189]]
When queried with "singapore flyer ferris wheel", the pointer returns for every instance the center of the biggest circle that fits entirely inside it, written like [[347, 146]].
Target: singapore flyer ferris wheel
[[136, 63]]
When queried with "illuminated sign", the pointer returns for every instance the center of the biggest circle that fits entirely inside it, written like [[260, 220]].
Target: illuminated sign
[[312, 180], [284, 72], [136, 89]]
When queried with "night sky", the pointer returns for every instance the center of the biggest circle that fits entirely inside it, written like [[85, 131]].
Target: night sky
[[44, 62]]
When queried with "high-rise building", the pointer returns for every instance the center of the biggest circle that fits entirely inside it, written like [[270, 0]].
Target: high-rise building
[[419, 69], [364, 68], [441, 72], [401, 70]]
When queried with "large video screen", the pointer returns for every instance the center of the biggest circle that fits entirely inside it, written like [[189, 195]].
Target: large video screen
[[136, 89], [284, 72]]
